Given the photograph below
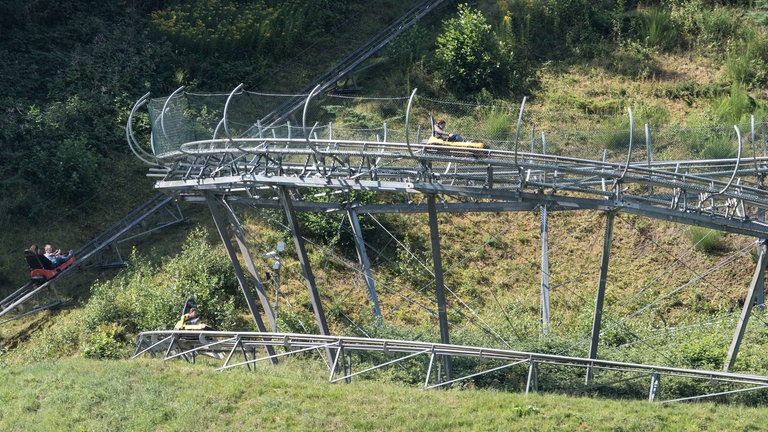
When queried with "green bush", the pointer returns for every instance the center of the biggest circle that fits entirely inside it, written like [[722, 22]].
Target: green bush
[[711, 143], [69, 171], [706, 27], [658, 30], [465, 52], [227, 27], [333, 228], [147, 297], [106, 342], [719, 149], [143, 297], [735, 106], [498, 123], [634, 60], [706, 240]]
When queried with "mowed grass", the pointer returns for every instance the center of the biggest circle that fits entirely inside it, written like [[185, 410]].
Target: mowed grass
[[152, 395]]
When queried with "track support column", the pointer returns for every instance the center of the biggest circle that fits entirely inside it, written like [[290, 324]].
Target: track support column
[[309, 277], [250, 265], [442, 316], [362, 256], [746, 310], [241, 279], [597, 319], [544, 270]]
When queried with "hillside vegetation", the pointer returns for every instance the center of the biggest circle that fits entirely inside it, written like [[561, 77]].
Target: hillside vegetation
[[294, 396], [674, 293]]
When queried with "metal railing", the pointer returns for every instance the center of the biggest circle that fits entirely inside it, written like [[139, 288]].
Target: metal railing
[[244, 349]]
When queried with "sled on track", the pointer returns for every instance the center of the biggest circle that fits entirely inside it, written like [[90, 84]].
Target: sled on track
[[190, 320], [38, 272], [474, 149]]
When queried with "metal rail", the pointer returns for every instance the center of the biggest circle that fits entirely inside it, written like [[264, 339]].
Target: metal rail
[[109, 238], [228, 347], [723, 190], [352, 60]]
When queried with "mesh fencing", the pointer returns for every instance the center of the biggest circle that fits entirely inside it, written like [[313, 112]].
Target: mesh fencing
[[188, 117]]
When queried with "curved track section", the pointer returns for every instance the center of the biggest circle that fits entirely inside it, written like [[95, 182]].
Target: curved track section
[[727, 195]]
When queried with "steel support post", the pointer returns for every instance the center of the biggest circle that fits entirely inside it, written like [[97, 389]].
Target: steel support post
[[309, 277], [761, 218], [362, 256], [760, 288], [533, 377], [249, 264], [649, 151], [746, 310], [241, 279], [442, 316], [655, 389], [544, 270], [597, 320]]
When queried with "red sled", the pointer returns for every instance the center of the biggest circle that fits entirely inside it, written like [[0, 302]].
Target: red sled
[[39, 272]]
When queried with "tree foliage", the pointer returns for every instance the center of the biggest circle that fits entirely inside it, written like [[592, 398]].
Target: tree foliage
[[150, 297], [465, 51], [233, 28]]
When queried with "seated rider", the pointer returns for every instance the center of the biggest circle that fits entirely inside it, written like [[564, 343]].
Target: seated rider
[[191, 317], [439, 131], [56, 257], [46, 263]]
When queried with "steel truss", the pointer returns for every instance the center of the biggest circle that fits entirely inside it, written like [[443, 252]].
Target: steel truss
[[273, 167], [228, 347]]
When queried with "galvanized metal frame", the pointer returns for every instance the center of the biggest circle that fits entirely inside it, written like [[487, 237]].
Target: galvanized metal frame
[[306, 268], [600, 297], [726, 195], [362, 257], [222, 346]]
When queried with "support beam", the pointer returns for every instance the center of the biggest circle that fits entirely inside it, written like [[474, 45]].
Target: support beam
[[241, 279], [249, 264], [761, 218], [362, 256], [655, 390], [746, 310], [597, 320], [544, 270], [309, 277], [442, 316]]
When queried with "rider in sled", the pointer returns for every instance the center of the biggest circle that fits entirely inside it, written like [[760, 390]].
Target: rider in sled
[[439, 131], [190, 319]]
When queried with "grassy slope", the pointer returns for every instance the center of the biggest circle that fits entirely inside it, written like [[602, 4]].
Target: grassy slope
[[153, 395]]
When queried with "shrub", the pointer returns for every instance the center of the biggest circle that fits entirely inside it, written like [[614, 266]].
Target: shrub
[[498, 123], [333, 228], [736, 105], [107, 342], [149, 297], [712, 143], [228, 27], [657, 30], [706, 240], [719, 149], [465, 51], [69, 171]]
